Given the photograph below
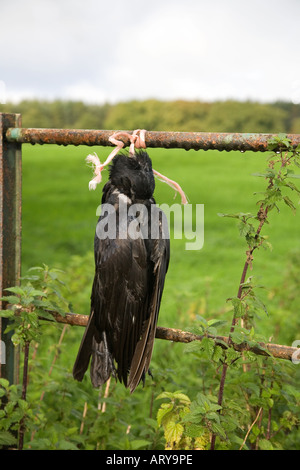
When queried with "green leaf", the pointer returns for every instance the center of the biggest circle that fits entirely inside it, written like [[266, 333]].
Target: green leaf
[[238, 307], [163, 413], [11, 299], [37, 293], [182, 397], [165, 395], [139, 444], [7, 439], [173, 432], [16, 290], [216, 323], [264, 444], [195, 430], [245, 229], [257, 303], [208, 346], [214, 407], [4, 383], [218, 429], [237, 337], [292, 186], [7, 313], [289, 203], [218, 353], [260, 174]]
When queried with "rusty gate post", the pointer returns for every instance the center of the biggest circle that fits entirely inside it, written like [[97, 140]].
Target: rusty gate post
[[10, 235]]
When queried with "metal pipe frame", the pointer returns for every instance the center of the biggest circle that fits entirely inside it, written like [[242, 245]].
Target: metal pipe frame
[[181, 140]]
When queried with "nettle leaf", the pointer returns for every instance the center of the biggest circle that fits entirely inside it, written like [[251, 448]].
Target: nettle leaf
[[238, 215], [164, 413], [232, 355], [218, 353], [4, 383], [245, 229], [289, 203], [182, 397], [218, 429], [7, 313], [16, 290], [235, 216], [280, 140], [36, 268], [193, 347], [238, 307], [44, 315], [136, 444], [195, 430], [173, 432], [7, 439], [294, 176], [292, 186], [214, 407], [165, 395], [11, 299], [238, 336], [265, 444], [264, 175], [36, 293], [208, 346], [216, 323]]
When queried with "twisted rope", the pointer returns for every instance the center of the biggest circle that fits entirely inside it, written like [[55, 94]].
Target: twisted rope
[[137, 140]]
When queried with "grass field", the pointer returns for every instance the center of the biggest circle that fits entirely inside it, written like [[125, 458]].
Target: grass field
[[59, 219]]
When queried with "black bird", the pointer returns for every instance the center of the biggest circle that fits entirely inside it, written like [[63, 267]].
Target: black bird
[[129, 277]]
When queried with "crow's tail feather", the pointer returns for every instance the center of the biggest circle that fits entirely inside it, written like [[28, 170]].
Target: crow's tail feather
[[102, 365], [93, 346]]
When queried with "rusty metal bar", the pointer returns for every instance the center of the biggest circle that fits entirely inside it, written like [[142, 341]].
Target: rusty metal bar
[[171, 334], [183, 140], [10, 235]]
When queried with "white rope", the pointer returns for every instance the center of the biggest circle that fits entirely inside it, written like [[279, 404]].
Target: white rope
[[137, 139]]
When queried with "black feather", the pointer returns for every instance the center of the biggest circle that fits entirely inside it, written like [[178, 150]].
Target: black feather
[[129, 280]]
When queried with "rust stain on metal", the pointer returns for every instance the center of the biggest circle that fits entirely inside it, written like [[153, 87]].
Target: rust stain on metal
[[154, 139]]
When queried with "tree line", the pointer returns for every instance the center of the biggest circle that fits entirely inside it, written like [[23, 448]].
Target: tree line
[[152, 114]]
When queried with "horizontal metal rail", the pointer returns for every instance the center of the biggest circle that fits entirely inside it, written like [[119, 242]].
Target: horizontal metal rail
[[154, 139], [178, 336]]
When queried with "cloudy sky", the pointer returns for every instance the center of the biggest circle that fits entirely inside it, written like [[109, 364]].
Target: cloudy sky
[[106, 51]]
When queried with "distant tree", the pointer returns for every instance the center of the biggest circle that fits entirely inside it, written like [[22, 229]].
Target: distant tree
[[152, 114]]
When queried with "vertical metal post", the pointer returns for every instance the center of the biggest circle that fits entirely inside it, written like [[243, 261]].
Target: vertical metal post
[[10, 235]]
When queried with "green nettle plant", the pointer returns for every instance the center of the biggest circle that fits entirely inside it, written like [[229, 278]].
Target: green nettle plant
[[262, 402], [29, 303]]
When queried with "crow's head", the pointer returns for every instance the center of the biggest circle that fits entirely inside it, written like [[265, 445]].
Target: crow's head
[[132, 175]]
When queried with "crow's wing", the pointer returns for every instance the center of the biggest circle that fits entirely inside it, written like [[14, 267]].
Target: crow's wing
[[158, 262]]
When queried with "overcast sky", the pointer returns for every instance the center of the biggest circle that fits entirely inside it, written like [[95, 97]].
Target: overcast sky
[[108, 51]]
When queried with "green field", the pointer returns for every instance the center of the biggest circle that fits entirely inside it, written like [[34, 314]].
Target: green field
[[59, 219]]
